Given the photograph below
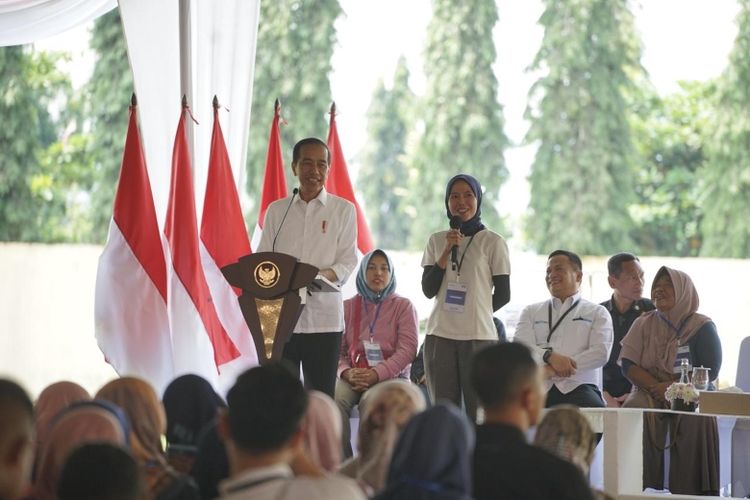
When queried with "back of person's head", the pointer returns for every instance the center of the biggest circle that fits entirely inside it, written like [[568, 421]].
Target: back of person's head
[[191, 404], [81, 423], [145, 413], [432, 459], [322, 425], [614, 264], [265, 408], [574, 259], [16, 439], [506, 374], [565, 432], [51, 401], [100, 471]]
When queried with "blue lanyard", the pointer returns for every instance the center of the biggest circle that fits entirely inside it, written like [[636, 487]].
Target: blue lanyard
[[677, 329], [371, 326]]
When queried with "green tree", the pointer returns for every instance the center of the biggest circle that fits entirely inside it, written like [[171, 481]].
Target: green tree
[[462, 118], [383, 171], [109, 91], [581, 176], [295, 43], [727, 171], [670, 136], [29, 82]]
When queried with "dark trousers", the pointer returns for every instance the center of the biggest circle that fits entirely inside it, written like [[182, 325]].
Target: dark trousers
[[319, 355], [583, 396]]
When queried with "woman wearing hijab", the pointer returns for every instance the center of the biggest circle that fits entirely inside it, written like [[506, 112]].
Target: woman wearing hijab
[[380, 336], [383, 415], [651, 355], [467, 271], [322, 425], [191, 405], [423, 467], [51, 401], [148, 422], [86, 422]]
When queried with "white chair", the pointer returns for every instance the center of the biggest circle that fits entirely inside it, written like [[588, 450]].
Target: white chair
[[741, 432]]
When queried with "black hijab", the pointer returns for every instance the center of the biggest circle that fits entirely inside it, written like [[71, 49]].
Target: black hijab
[[190, 404], [473, 225]]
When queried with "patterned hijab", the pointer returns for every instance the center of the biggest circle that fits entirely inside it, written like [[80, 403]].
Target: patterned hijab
[[654, 338], [365, 290], [473, 225], [565, 432]]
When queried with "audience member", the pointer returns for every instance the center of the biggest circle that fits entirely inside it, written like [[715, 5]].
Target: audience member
[[651, 355], [509, 386], [467, 271], [262, 430], [570, 336], [319, 229], [16, 440], [627, 303], [191, 405], [322, 426], [148, 423], [380, 336], [51, 401], [211, 464], [383, 415], [564, 431], [432, 458], [100, 471], [81, 423]]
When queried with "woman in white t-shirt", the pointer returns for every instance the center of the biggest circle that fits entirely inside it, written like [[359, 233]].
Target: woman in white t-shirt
[[468, 285]]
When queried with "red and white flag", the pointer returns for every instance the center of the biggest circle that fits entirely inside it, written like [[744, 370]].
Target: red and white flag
[[199, 342], [132, 327], [223, 241], [340, 184], [274, 178]]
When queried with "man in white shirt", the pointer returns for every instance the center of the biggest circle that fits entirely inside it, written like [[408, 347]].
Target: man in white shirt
[[263, 435], [570, 336], [320, 229]]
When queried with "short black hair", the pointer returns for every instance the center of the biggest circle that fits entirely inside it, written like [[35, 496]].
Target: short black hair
[[614, 264], [13, 395], [499, 372], [266, 406], [573, 258], [296, 151], [100, 470]]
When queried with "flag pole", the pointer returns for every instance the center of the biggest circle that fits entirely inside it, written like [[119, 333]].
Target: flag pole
[[133, 100]]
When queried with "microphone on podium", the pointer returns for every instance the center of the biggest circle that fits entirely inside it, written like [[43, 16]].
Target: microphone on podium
[[273, 245], [455, 224]]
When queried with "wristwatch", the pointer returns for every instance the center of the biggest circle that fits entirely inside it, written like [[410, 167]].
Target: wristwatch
[[546, 355]]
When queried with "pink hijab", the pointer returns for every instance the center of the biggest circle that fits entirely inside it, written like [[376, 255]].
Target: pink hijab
[[83, 424], [653, 339], [51, 401], [322, 424]]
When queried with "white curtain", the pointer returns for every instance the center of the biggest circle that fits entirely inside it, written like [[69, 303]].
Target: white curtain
[[200, 48], [25, 21]]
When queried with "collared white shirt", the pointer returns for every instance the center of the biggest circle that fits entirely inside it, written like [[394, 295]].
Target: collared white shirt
[[323, 233], [585, 335], [277, 482]]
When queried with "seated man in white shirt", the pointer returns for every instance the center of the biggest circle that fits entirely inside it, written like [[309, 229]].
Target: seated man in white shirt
[[262, 431], [570, 336]]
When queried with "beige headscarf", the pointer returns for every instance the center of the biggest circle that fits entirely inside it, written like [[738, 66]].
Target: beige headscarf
[[653, 339], [52, 401], [322, 424], [565, 432]]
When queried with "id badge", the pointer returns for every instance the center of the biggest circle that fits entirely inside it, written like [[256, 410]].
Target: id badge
[[455, 297], [373, 352], [683, 352]]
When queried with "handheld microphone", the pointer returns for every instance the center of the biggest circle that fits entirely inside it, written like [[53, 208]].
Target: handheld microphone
[[273, 245], [455, 224]]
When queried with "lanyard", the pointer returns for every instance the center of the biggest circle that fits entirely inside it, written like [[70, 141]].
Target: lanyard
[[253, 483], [371, 326], [677, 329], [549, 317], [461, 262]]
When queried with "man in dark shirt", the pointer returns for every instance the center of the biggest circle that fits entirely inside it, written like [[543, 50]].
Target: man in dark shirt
[[626, 304], [509, 386]]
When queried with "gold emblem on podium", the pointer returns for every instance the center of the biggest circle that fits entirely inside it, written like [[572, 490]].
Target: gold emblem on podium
[[266, 274]]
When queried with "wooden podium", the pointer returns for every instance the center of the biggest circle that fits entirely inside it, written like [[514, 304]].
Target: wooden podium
[[273, 290]]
